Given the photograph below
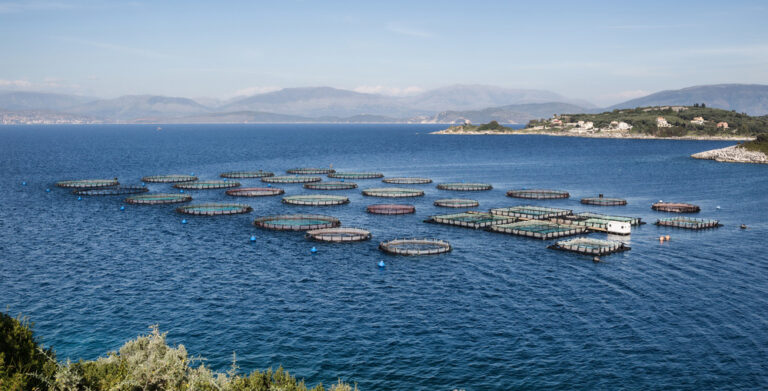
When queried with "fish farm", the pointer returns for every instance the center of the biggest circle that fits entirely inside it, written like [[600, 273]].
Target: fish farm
[[291, 179], [158, 199], [539, 229], [675, 207], [330, 185], [247, 174], [415, 246], [88, 183], [528, 212], [589, 246], [339, 235], [474, 220], [296, 222], [538, 194], [311, 171], [315, 200], [169, 178], [214, 209], [603, 201], [255, 192], [390, 209], [461, 186], [407, 181], [688, 223], [207, 185], [624, 219], [356, 175], [591, 223], [392, 192], [456, 203], [117, 190]]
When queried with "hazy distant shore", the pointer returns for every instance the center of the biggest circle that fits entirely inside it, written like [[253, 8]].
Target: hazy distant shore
[[588, 135]]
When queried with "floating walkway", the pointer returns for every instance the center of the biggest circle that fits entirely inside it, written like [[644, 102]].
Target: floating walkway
[[390, 209], [118, 190], [688, 223], [173, 178], [474, 220], [415, 246], [255, 192], [528, 212], [539, 229], [339, 235], [538, 194], [407, 181], [158, 199], [457, 203], [247, 174], [88, 183], [311, 171], [589, 246], [603, 201], [392, 192], [596, 224], [315, 200], [207, 185], [330, 185], [675, 207], [356, 175], [291, 179], [461, 186], [296, 222], [214, 209]]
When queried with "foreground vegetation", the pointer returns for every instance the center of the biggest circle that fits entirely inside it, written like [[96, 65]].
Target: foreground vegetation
[[146, 363]]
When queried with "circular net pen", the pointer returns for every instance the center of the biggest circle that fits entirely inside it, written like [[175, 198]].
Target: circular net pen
[[158, 199], [390, 209], [247, 174], [461, 186], [88, 183], [457, 203], [538, 194], [589, 246], [315, 200], [603, 201], [339, 235], [415, 246], [297, 222], [119, 190], [330, 185], [207, 185], [392, 192], [407, 181], [675, 207], [356, 175], [311, 171], [255, 192], [291, 179], [214, 209], [169, 178]]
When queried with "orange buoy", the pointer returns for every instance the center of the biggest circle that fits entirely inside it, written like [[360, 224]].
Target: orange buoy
[[667, 238], [661, 239]]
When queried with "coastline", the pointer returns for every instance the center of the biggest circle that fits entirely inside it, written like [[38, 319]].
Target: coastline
[[589, 135], [733, 154]]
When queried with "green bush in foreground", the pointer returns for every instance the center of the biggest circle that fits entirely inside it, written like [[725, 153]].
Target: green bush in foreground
[[146, 363]]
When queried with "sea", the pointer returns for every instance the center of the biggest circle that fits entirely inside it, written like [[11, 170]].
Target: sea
[[499, 312]]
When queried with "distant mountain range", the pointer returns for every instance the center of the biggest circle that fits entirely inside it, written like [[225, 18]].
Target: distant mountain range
[[458, 103]]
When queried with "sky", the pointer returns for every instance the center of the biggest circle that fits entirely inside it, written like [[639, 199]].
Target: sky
[[601, 51]]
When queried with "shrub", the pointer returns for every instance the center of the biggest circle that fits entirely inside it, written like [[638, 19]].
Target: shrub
[[24, 364]]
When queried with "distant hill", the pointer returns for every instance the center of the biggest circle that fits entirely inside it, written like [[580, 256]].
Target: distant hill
[[510, 114], [476, 97], [747, 98], [41, 101], [138, 107]]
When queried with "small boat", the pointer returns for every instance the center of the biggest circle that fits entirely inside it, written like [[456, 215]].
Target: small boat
[[159, 128]]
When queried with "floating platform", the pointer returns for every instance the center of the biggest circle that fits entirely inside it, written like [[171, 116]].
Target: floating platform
[[415, 246], [247, 174], [461, 186], [474, 220], [311, 171], [255, 192], [88, 183], [173, 178], [538, 194], [117, 190], [214, 209], [407, 181], [528, 212], [589, 246], [675, 207], [207, 185], [596, 224], [688, 223], [356, 175], [158, 199], [330, 185], [297, 222], [457, 203], [315, 200], [291, 179], [393, 192], [624, 219], [390, 209], [539, 229], [339, 235], [603, 201]]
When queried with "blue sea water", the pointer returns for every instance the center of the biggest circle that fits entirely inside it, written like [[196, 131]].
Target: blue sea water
[[499, 312]]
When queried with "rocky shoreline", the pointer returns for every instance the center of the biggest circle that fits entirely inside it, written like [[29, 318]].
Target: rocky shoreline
[[622, 135], [733, 154]]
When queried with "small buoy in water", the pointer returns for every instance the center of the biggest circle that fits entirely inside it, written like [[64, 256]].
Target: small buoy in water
[[191, 174], [122, 208], [184, 221], [596, 259], [143, 184], [23, 183], [661, 239], [667, 238], [181, 190], [743, 226], [382, 264], [269, 185], [47, 190], [79, 198], [717, 207], [313, 250], [253, 238], [342, 179]]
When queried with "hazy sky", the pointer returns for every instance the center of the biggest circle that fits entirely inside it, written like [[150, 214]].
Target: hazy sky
[[603, 51]]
